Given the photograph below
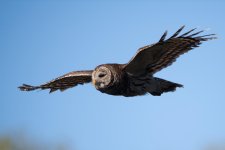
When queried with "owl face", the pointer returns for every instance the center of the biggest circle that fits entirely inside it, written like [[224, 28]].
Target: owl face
[[102, 77]]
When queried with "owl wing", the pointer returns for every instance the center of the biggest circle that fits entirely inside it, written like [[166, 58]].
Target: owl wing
[[63, 82], [153, 58]]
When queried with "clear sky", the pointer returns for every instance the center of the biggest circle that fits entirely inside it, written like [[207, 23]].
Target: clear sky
[[41, 40]]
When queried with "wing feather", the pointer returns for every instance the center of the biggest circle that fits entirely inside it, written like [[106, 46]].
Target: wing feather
[[163, 36], [178, 32], [62, 83], [153, 58]]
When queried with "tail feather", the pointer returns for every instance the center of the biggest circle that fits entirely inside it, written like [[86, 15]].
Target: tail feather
[[162, 86]]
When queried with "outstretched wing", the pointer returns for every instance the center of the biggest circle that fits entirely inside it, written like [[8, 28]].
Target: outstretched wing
[[62, 83], [153, 58]]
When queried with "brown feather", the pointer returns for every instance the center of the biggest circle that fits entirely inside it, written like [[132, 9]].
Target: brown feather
[[62, 83], [153, 58]]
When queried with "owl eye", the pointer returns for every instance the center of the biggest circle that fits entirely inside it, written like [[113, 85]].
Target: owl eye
[[100, 75]]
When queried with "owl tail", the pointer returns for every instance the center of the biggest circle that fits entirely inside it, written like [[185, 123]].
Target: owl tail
[[161, 86]]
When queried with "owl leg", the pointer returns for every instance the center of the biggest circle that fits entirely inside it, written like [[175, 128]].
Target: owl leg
[[159, 86]]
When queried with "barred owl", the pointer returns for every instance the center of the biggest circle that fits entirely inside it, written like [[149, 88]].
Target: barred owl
[[135, 77]]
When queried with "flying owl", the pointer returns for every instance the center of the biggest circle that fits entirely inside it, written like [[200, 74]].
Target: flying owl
[[135, 77]]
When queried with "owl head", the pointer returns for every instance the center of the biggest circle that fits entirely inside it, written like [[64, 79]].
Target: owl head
[[102, 77]]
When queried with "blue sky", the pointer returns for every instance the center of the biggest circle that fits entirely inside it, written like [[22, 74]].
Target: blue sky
[[41, 40]]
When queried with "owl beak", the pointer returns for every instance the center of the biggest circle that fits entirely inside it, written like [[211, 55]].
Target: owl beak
[[93, 81], [96, 84]]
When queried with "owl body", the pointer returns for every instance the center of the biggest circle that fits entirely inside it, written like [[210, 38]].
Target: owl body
[[114, 80]]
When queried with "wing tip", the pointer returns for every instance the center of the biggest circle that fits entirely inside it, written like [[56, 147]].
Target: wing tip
[[26, 87], [188, 35], [163, 36], [177, 32]]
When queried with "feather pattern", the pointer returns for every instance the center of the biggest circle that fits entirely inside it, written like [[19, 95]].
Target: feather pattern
[[63, 82], [153, 58]]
